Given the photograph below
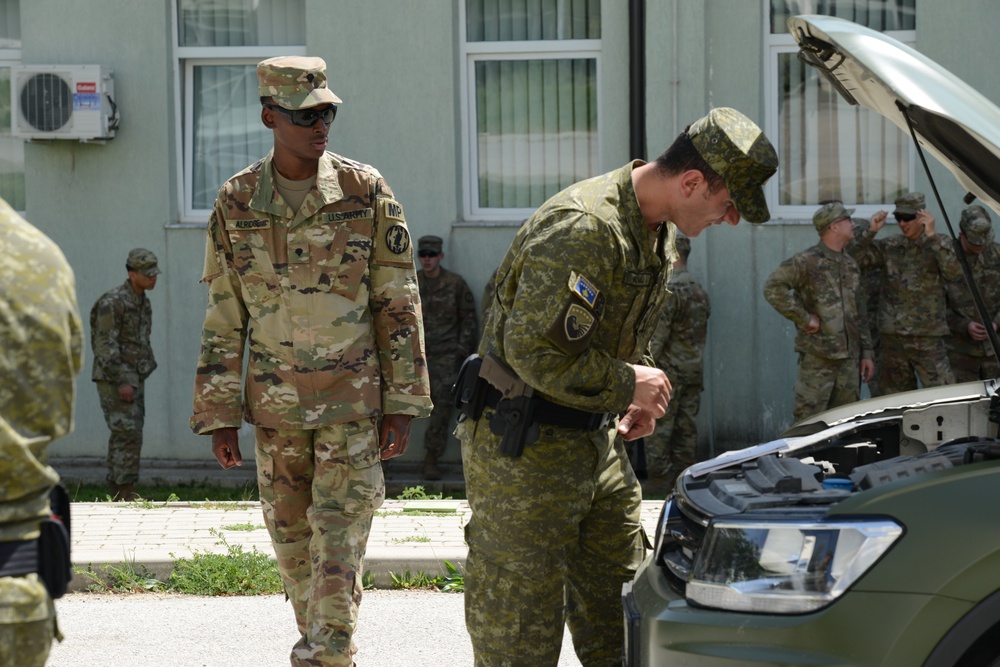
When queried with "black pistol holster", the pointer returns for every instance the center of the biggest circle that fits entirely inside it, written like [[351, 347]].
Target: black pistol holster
[[468, 394], [48, 555], [514, 401]]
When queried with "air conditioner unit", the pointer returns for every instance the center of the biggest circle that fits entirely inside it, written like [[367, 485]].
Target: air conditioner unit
[[63, 102]]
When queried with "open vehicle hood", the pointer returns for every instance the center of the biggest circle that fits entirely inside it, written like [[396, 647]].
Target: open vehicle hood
[[953, 122]]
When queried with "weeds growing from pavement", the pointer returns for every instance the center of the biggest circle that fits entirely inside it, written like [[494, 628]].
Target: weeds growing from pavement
[[419, 493], [248, 527], [124, 577], [163, 492], [368, 580], [237, 572], [411, 538], [453, 581]]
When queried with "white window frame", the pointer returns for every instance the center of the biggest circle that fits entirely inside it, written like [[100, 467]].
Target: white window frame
[[472, 52], [775, 44], [186, 58]]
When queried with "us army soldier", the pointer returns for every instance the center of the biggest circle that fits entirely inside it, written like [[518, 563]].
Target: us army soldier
[[42, 340], [309, 255]]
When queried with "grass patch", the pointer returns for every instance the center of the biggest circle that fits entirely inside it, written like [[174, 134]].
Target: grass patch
[[411, 538], [453, 581], [98, 493], [124, 577], [236, 572], [419, 493], [247, 527]]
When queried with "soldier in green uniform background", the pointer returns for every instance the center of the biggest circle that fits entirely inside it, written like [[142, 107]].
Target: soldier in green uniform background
[[819, 290], [916, 266], [969, 350], [120, 325], [678, 347], [450, 335], [555, 528], [871, 287], [308, 254], [42, 341]]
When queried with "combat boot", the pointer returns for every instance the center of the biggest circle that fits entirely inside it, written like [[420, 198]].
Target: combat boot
[[114, 490], [128, 494], [431, 470]]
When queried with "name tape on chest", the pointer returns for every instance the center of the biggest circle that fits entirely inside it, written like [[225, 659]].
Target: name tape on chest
[[257, 223]]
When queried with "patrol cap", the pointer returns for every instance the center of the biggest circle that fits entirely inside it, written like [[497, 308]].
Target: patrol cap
[[738, 151], [432, 243], [830, 213], [143, 261], [976, 225], [911, 203], [295, 82]]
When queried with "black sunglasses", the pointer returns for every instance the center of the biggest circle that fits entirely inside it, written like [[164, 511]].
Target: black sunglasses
[[306, 117], [428, 253], [904, 217]]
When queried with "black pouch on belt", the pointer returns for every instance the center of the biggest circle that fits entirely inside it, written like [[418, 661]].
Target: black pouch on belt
[[54, 565], [469, 391]]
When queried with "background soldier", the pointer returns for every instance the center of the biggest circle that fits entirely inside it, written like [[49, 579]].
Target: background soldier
[[120, 324], [677, 348], [819, 290], [450, 335], [871, 286], [310, 252], [969, 350], [555, 528], [916, 266], [42, 342]]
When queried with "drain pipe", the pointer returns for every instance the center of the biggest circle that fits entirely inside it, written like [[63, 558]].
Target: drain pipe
[[637, 78]]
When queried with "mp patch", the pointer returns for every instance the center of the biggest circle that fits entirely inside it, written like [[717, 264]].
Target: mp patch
[[583, 288], [397, 239]]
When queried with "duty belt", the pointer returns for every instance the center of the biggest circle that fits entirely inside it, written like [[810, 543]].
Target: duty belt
[[18, 558], [553, 414]]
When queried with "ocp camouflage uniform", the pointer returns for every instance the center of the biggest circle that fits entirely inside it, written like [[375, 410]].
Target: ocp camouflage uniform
[[450, 335], [328, 296], [555, 532], [912, 312], [825, 283], [871, 287], [42, 342], [677, 347], [120, 325]]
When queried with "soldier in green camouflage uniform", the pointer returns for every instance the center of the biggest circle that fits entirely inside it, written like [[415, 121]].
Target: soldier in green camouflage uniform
[[969, 350], [555, 532], [310, 257], [677, 347], [916, 265], [871, 286], [450, 335], [819, 290], [120, 325], [42, 340]]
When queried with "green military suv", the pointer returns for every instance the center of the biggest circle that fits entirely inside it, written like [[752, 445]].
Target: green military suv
[[868, 534]]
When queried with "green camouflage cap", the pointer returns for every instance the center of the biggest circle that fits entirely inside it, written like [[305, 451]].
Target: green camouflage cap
[[429, 243], [295, 82], [143, 261], [911, 203], [738, 151], [976, 225], [830, 213]]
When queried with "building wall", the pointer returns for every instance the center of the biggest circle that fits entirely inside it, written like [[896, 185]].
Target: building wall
[[396, 64]]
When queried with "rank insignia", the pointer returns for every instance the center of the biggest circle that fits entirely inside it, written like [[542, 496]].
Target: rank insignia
[[583, 288], [577, 322]]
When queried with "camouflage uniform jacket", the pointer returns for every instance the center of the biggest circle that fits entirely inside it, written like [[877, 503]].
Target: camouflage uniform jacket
[[449, 310], [42, 340], [679, 339], [962, 310], [827, 284], [915, 273], [328, 297], [579, 294], [120, 325]]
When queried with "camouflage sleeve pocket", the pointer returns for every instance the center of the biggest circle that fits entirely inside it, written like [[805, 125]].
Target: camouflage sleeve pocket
[[581, 311]]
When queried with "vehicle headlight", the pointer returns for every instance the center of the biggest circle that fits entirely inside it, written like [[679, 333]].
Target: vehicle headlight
[[787, 567]]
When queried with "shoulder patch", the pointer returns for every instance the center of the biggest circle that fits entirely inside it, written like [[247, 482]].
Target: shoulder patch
[[583, 288], [259, 223], [577, 323], [392, 239], [390, 209]]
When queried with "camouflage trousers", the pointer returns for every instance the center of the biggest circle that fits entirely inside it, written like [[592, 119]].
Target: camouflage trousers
[[27, 622], [673, 445], [906, 358], [319, 489], [553, 536], [969, 367], [125, 421], [440, 423], [825, 383]]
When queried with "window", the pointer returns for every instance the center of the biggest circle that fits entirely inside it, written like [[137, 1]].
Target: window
[[11, 149], [530, 102], [219, 43], [828, 149]]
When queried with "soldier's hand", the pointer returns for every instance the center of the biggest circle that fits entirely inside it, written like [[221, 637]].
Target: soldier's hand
[[926, 218], [394, 436], [226, 447], [977, 331], [126, 393], [652, 390], [635, 424], [867, 369], [878, 221], [813, 325]]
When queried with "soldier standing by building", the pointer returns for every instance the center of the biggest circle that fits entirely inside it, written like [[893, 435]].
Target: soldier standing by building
[[309, 255], [969, 351], [120, 325], [42, 341], [677, 347], [819, 290], [916, 266], [450, 335], [555, 528], [871, 286]]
